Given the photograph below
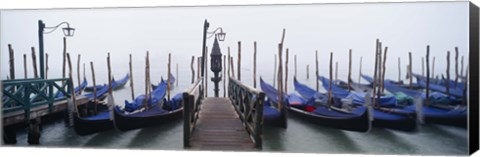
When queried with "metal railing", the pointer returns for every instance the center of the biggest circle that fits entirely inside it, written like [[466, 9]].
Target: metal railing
[[24, 94], [248, 103], [192, 99]]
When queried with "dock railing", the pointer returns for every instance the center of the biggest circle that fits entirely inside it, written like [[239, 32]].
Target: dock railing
[[248, 103], [24, 94], [192, 99]]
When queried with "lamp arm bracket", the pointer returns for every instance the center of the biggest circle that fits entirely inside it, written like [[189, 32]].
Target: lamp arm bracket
[[55, 27]]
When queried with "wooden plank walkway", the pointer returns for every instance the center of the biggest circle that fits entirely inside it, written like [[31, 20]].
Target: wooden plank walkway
[[219, 128], [39, 111]]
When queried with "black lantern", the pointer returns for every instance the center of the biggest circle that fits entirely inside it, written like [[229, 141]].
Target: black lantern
[[216, 64]]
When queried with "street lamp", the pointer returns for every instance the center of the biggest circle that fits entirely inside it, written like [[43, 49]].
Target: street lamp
[[67, 31], [216, 64], [221, 37]]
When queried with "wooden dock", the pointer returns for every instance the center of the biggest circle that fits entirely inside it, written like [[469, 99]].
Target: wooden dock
[[39, 111], [219, 128]]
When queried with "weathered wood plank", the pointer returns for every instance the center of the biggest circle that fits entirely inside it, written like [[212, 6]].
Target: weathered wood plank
[[219, 128]]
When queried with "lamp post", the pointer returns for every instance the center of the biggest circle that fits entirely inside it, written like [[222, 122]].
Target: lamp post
[[221, 37], [216, 65], [67, 31]]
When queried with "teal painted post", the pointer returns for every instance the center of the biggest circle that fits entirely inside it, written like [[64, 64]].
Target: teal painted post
[[186, 120], [26, 101], [50, 96]]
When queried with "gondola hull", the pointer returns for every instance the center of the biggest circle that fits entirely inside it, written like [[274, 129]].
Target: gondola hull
[[402, 123], [125, 122], [359, 124], [83, 126]]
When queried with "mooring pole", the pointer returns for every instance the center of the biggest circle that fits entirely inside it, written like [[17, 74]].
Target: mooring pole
[[206, 72], [286, 71], [329, 102], [308, 72], [11, 61], [239, 60], [423, 68], [78, 74], [46, 66], [225, 77], [360, 73], [349, 69], [410, 69], [71, 84], [94, 87], [384, 69], [448, 73], [375, 69], [25, 66], [275, 70], [64, 56], [400, 71], [193, 71], [427, 99], [433, 67], [456, 68], [254, 64], [316, 70], [168, 75], [131, 76], [34, 62], [232, 67], [336, 73]]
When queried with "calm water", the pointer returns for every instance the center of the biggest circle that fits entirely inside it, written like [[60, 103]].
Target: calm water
[[300, 136]]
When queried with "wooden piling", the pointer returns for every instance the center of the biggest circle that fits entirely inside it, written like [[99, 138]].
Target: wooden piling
[[34, 62], [228, 57], [316, 70], [295, 60], [280, 74], [169, 86], [336, 72], [239, 60], [448, 73], [94, 85], [71, 84], [254, 64], [25, 74], [349, 69], [232, 67], [427, 98], [329, 102], [433, 67], [308, 71], [109, 68], [147, 85], [410, 70], [168, 75], [399, 71], [275, 70], [456, 68], [360, 73], [11, 61], [375, 69], [130, 65], [379, 73], [461, 70], [193, 71], [423, 67], [78, 74], [225, 77], [384, 69], [199, 59], [286, 71]]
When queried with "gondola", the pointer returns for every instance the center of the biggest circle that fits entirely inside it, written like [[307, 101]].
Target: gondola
[[172, 81], [135, 115], [456, 92], [98, 122], [355, 120], [272, 114], [77, 89], [433, 113], [387, 115], [115, 84]]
